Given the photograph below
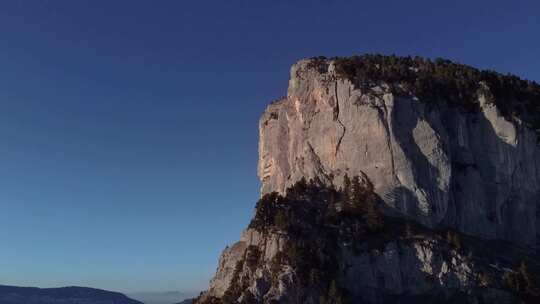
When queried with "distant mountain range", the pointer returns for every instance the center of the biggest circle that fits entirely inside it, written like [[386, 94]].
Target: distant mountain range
[[63, 295]]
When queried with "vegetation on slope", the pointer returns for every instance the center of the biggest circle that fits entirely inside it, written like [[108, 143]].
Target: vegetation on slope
[[307, 205]]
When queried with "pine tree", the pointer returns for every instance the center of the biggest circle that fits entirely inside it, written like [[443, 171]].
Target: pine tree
[[248, 298], [297, 190], [408, 230], [457, 241], [333, 291], [374, 217], [449, 237], [280, 220], [334, 294], [346, 187], [529, 281], [453, 239], [356, 196]]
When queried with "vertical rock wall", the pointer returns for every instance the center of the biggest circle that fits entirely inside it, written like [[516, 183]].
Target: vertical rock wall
[[441, 165]]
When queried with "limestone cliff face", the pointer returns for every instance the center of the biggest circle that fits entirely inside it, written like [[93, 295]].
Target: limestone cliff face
[[476, 172], [439, 167]]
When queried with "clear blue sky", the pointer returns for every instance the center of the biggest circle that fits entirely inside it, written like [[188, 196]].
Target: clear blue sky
[[128, 129]]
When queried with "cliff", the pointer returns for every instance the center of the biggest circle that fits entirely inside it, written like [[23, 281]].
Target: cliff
[[447, 149], [475, 171]]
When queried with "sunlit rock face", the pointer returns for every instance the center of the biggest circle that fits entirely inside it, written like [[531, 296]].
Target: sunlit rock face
[[477, 172]]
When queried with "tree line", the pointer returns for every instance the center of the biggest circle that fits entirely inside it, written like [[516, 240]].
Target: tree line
[[313, 204]]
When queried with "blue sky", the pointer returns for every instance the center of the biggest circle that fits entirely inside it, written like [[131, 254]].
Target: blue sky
[[128, 129]]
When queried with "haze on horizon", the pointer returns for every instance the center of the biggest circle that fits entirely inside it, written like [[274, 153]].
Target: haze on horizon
[[129, 128]]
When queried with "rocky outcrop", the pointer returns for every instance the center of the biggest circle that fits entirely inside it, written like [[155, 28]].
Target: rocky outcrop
[[477, 172], [407, 269], [453, 164], [268, 244]]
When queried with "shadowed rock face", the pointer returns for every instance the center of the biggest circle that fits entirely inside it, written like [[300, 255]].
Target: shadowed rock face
[[476, 172]]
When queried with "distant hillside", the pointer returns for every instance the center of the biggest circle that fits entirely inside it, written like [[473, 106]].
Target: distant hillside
[[63, 295]]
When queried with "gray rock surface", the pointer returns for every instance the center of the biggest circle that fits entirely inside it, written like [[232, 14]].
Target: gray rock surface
[[476, 172]]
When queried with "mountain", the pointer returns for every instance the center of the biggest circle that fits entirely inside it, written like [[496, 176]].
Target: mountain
[[392, 180], [63, 295]]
